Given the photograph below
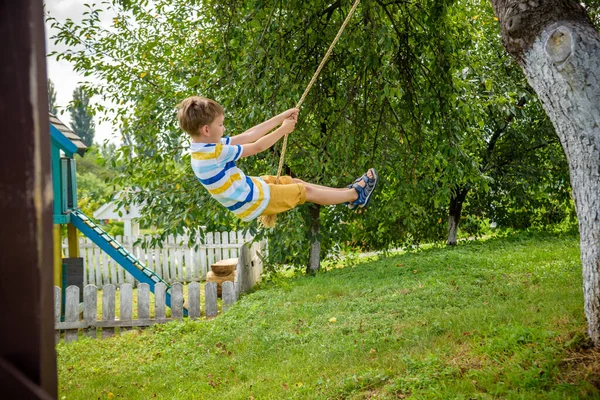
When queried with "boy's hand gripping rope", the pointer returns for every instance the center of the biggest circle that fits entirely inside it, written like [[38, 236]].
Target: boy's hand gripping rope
[[269, 220]]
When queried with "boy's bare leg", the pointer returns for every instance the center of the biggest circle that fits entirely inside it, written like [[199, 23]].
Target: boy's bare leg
[[296, 180], [329, 196]]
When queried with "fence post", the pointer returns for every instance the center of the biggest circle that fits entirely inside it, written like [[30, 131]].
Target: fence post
[[244, 270], [90, 311], [160, 300], [71, 312], [228, 294], [210, 290], [194, 300], [126, 303], [143, 301], [108, 308], [57, 309], [177, 300]]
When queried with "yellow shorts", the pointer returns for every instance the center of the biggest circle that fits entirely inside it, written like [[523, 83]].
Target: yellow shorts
[[285, 195]]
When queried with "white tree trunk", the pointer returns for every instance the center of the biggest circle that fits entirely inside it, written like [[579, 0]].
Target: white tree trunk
[[564, 68], [559, 51]]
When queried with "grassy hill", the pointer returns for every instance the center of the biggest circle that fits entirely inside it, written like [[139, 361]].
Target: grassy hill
[[501, 318]]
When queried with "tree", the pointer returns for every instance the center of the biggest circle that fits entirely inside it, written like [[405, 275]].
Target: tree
[[51, 97], [392, 95], [82, 121], [558, 48], [377, 101]]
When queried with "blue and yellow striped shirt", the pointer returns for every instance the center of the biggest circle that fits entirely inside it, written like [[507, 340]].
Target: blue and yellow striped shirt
[[214, 166]]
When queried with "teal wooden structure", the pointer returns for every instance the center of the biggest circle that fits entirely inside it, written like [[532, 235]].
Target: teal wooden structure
[[64, 145]]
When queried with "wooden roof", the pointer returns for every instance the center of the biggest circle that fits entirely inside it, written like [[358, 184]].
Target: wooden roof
[[68, 134]]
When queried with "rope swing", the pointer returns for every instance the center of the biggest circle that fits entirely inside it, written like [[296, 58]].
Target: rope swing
[[269, 220]]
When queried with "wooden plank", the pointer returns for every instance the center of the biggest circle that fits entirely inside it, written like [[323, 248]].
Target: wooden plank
[[157, 263], [135, 251], [71, 311], [228, 295], [210, 249], [166, 262], [85, 262], [218, 251], [176, 270], [225, 243], [126, 302], [108, 308], [203, 263], [95, 255], [109, 324], [57, 311], [105, 271], [150, 261], [90, 308], [177, 300], [114, 273], [188, 260], [245, 281], [233, 252], [210, 302], [194, 300], [160, 300], [143, 301], [144, 258], [219, 246], [119, 273]]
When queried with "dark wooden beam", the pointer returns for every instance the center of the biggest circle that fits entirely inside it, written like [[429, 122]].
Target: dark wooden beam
[[27, 353]]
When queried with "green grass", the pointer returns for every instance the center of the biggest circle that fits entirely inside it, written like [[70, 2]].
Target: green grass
[[495, 319]]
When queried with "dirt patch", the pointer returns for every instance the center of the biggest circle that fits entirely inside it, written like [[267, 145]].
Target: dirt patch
[[582, 364]]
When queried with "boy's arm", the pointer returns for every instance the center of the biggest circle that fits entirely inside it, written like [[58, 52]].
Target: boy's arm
[[265, 142], [260, 130]]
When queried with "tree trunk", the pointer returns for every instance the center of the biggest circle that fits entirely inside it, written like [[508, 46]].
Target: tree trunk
[[314, 260], [456, 204], [559, 51]]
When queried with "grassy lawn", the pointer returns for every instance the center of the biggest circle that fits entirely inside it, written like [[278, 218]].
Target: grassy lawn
[[501, 318]]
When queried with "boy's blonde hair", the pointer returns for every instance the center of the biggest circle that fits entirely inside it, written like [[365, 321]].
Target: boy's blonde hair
[[197, 111]]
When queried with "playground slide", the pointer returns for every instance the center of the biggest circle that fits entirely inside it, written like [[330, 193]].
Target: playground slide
[[118, 253]]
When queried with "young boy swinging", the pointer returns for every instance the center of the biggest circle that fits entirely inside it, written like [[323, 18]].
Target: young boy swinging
[[214, 163]]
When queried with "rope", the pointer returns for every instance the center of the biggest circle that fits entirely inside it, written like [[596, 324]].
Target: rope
[[313, 80]]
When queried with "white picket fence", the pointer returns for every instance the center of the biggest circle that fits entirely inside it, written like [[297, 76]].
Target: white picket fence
[[174, 262], [82, 317]]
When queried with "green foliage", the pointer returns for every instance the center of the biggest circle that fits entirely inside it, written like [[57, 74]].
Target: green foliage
[[501, 318], [52, 97], [82, 121], [419, 90], [510, 140], [94, 181]]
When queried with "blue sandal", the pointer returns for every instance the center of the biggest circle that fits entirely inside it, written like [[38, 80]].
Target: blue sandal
[[364, 193]]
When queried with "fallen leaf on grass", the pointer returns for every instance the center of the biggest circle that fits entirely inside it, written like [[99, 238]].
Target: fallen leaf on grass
[[333, 319]]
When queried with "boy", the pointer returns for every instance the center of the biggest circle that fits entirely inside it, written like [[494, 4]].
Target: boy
[[214, 163]]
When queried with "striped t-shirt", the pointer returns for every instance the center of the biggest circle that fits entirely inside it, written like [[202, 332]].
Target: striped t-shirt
[[214, 165]]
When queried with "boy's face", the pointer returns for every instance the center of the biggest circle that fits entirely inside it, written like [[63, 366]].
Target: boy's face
[[215, 129]]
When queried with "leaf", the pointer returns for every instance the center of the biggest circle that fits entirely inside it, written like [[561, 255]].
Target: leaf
[[333, 319], [488, 84]]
